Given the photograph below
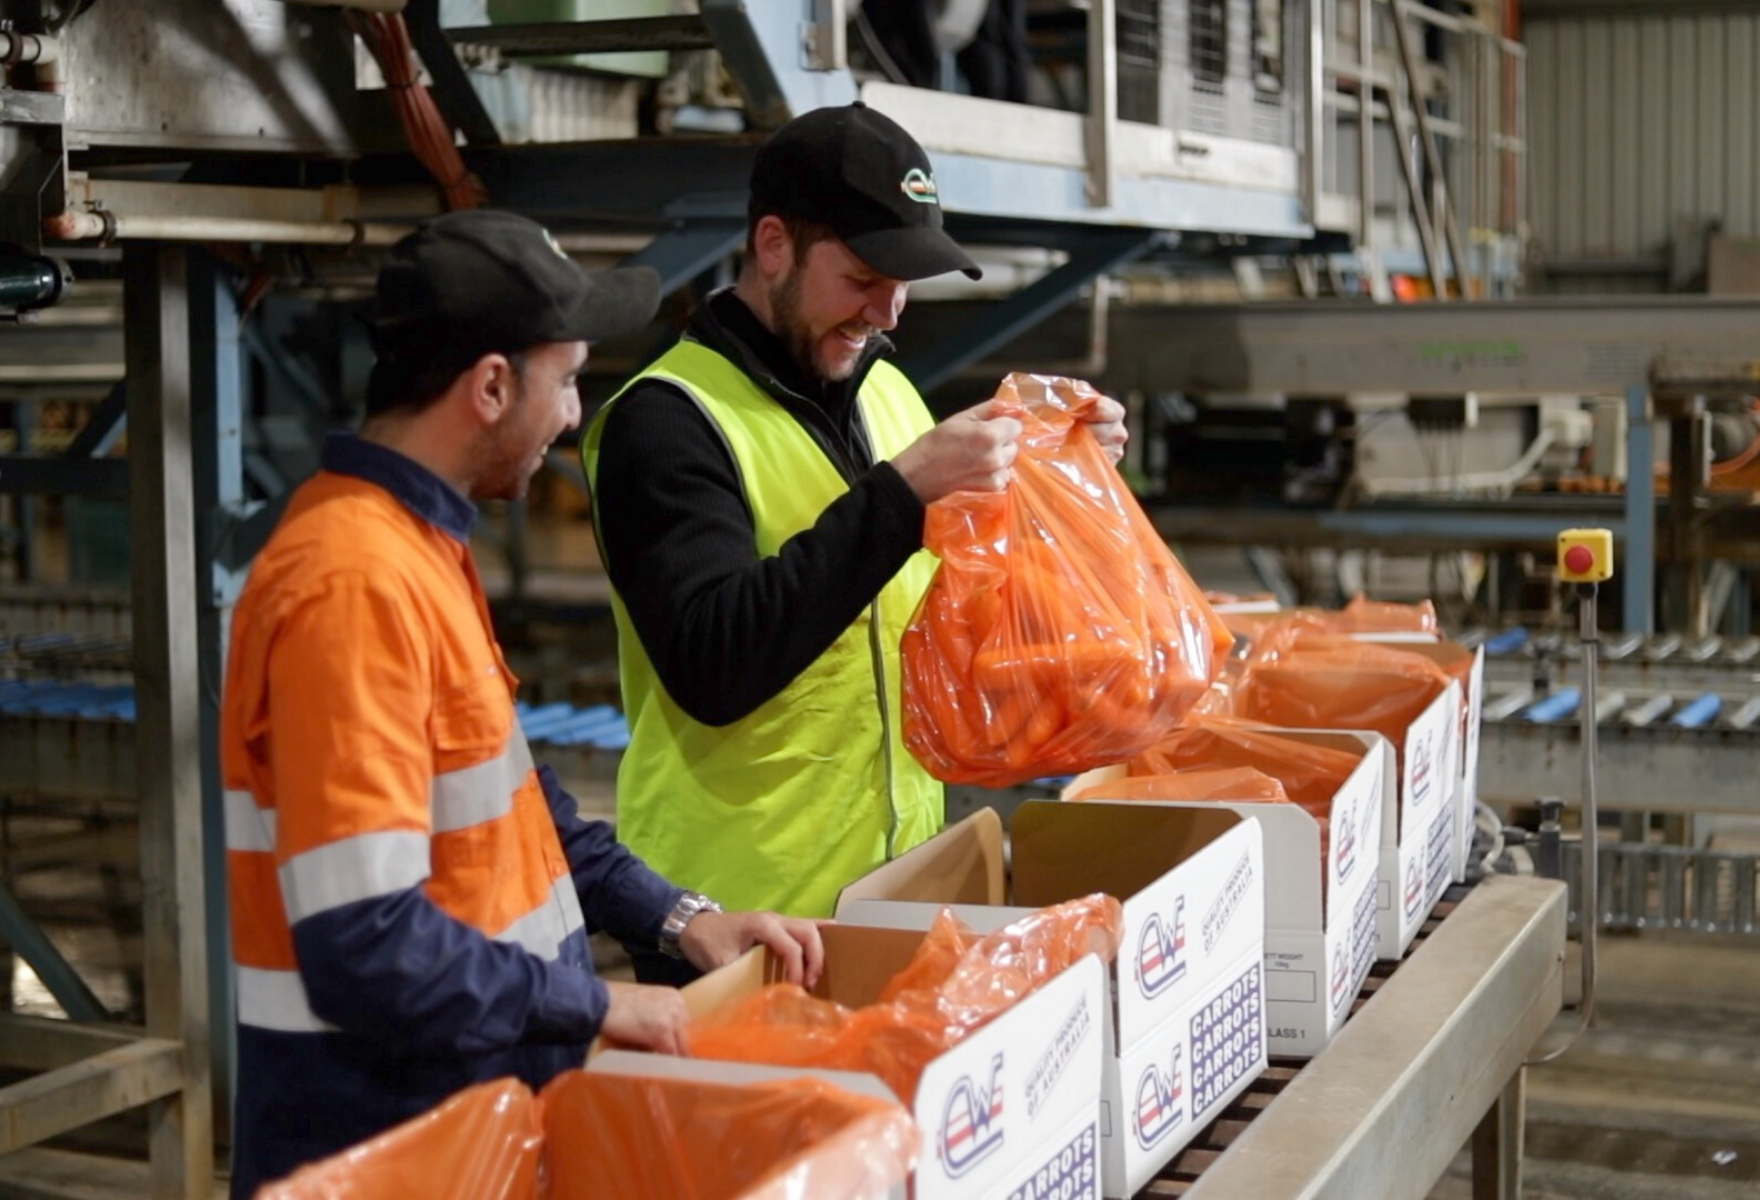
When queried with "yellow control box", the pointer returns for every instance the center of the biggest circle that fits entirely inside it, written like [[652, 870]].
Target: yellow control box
[[1585, 555]]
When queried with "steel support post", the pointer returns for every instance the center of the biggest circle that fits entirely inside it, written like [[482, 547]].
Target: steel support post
[[1639, 569], [168, 731], [24, 553], [1497, 1144], [1689, 471], [217, 387]]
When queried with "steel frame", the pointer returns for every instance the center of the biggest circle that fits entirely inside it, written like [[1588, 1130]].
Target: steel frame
[[1433, 1060], [89, 1074]]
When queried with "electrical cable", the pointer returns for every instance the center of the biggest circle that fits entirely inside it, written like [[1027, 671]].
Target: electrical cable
[[431, 137]]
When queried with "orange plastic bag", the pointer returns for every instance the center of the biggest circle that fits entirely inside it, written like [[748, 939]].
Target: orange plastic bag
[[611, 1137], [1301, 676], [1243, 784], [1059, 633], [482, 1144], [1363, 615], [953, 984], [1310, 775]]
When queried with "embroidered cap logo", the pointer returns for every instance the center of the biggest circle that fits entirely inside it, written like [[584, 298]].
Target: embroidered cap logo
[[919, 185]]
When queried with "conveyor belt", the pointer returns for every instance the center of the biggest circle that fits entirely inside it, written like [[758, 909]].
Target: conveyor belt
[[1431, 1043]]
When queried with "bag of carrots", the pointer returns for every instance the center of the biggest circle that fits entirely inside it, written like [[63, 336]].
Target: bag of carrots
[[1302, 675], [1059, 633]]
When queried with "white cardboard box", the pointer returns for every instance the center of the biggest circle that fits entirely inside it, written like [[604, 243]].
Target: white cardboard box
[[1469, 761], [1187, 989], [1011, 1111], [1419, 833], [1317, 951], [1463, 789]]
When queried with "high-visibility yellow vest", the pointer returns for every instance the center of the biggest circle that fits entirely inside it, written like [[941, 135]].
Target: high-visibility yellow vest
[[782, 808]]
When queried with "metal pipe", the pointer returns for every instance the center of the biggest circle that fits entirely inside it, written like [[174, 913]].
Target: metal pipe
[[1415, 188], [1589, 902], [1314, 166], [1102, 100], [28, 282], [38, 50], [86, 226], [1432, 156], [1365, 124]]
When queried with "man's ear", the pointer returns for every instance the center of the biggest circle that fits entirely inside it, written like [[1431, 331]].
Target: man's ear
[[492, 386], [774, 246]]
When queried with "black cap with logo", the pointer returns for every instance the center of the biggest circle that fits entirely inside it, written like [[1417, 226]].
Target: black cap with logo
[[483, 282], [859, 173]]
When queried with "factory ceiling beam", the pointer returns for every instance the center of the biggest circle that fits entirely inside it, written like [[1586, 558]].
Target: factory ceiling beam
[[104, 427], [685, 252], [1000, 324]]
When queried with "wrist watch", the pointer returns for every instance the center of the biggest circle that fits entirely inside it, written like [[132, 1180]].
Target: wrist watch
[[688, 906]]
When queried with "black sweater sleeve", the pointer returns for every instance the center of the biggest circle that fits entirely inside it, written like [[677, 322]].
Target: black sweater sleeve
[[725, 629]]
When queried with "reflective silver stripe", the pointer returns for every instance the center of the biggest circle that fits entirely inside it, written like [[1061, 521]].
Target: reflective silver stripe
[[543, 930], [356, 868], [276, 1000], [482, 792], [248, 827]]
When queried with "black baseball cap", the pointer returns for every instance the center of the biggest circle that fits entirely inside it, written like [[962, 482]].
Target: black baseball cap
[[483, 282], [859, 173]]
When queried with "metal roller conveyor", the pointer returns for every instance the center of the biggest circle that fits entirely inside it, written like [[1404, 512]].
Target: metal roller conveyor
[[1665, 662], [1679, 719]]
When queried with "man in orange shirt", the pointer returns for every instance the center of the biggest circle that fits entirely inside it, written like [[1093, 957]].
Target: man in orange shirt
[[411, 895]]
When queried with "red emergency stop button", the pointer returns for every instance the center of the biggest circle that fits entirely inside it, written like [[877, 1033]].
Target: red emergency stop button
[[1585, 555]]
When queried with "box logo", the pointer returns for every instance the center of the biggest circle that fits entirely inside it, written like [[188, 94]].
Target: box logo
[[1344, 854], [1161, 951], [1160, 1102], [971, 1126], [1423, 766], [1414, 886], [1340, 978]]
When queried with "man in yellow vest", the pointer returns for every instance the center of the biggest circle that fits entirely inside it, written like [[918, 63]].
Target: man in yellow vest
[[758, 496]]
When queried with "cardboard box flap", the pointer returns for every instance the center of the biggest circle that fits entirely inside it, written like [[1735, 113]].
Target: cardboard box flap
[[960, 865], [859, 963], [642, 1065], [718, 988], [1065, 851]]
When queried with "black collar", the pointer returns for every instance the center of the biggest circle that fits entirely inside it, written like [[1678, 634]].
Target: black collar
[[726, 325], [414, 486]]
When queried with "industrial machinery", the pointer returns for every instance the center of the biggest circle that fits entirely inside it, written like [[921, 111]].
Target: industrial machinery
[[196, 195]]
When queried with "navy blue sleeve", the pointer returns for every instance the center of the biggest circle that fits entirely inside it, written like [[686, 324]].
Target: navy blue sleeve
[[620, 895], [396, 968]]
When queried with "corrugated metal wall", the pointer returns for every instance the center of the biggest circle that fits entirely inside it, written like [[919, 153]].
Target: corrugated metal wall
[[1637, 121]]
